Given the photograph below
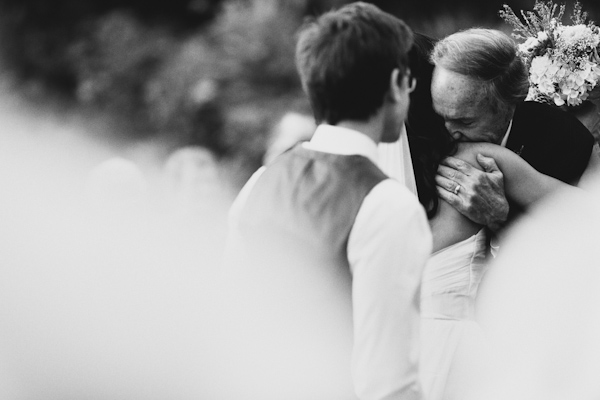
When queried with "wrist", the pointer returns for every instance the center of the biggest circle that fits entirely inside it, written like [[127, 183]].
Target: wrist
[[497, 224], [498, 219]]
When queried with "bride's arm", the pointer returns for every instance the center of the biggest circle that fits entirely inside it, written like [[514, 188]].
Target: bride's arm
[[523, 184]]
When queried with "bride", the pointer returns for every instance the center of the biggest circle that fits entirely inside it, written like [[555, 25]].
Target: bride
[[452, 343]]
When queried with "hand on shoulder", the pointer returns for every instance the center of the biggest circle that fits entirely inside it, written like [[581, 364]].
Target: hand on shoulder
[[474, 185]]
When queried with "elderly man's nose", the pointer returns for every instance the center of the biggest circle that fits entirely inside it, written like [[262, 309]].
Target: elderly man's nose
[[456, 134]]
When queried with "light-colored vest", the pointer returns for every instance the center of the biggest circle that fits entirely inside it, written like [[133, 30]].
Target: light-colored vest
[[306, 203], [291, 288]]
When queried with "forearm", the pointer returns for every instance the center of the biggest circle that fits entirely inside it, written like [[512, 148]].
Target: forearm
[[523, 184]]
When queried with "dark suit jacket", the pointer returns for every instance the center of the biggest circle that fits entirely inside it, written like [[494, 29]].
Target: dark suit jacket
[[554, 142]]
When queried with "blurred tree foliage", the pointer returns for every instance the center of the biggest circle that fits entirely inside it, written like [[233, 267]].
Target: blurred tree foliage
[[212, 73], [217, 73]]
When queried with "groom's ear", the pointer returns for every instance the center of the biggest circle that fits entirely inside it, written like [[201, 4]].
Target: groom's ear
[[395, 91], [401, 84]]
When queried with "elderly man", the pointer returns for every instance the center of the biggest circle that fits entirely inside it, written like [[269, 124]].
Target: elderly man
[[478, 88]]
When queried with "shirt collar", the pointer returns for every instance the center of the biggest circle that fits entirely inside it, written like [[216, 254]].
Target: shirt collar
[[342, 141], [505, 139]]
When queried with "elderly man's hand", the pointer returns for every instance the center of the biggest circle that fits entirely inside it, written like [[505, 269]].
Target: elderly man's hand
[[480, 196]]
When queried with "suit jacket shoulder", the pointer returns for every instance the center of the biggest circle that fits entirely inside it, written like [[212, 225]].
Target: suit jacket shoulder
[[553, 141]]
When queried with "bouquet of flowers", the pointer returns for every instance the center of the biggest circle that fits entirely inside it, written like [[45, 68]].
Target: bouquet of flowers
[[563, 60]]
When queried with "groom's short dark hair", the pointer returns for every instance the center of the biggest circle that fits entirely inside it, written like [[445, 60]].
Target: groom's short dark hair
[[345, 59]]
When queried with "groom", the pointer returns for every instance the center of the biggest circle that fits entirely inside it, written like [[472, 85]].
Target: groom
[[324, 207], [478, 87]]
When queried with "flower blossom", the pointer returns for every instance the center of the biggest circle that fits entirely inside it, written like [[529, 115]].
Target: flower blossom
[[563, 60], [528, 46], [574, 35]]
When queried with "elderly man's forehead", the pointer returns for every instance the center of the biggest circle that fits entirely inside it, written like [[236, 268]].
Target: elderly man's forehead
[[455, 83], [451, 92]]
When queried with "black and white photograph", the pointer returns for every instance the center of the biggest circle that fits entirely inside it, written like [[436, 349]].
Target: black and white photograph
[[299, 200]]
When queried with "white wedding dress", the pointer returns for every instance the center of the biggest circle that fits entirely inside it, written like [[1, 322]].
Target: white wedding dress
[[453, 352], [452, 343]]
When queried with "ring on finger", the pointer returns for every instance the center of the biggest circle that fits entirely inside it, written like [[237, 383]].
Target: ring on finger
[[456, 189]]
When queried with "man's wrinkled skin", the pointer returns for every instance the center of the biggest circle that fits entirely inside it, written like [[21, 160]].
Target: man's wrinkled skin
[[481, 195]]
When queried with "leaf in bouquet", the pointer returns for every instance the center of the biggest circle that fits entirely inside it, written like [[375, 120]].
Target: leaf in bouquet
[[561, 12], [521, 31], [534, 23], [542, 10], [547, 12], [579, 16]]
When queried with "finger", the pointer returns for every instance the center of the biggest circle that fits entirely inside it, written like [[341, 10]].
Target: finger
[[450, 198], [455, 175], [448, 172], [445, 183], [458, 164], [487, 163]]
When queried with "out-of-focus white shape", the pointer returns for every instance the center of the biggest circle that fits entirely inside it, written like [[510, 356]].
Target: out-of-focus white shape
[[539, 303], [96, 307], [116, 182], [271, 346], [194, 191], [396, 162], [130, 308], [293, 128], [192, 176]]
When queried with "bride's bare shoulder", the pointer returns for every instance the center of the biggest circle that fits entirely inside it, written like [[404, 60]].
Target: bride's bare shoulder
[[467, 151]]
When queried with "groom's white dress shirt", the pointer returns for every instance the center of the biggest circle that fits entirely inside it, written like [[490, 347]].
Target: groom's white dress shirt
[[388, 247]]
